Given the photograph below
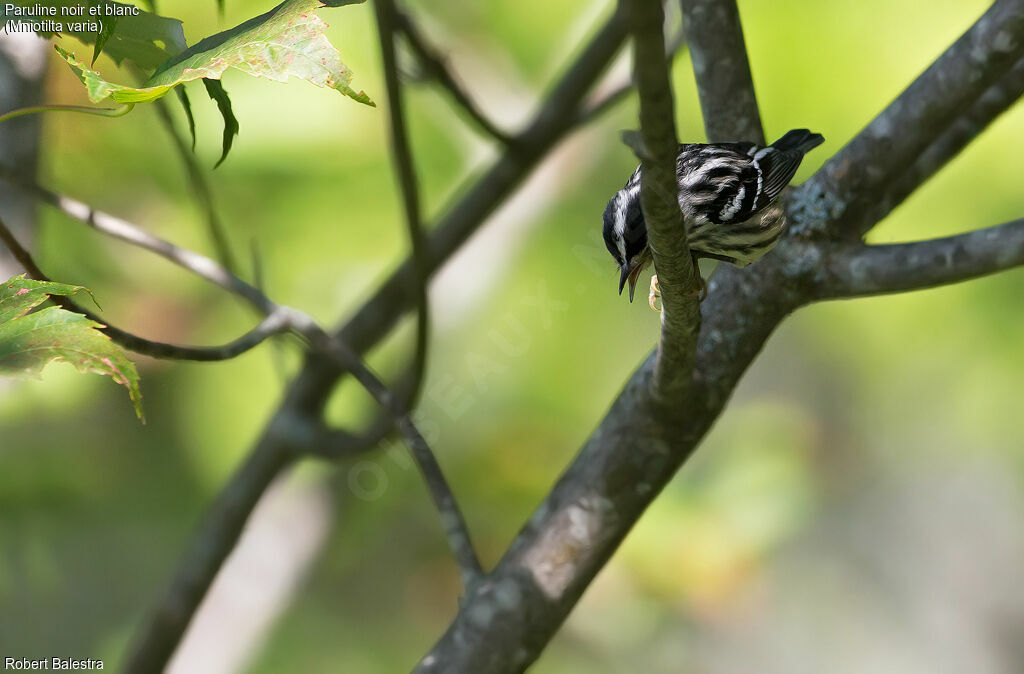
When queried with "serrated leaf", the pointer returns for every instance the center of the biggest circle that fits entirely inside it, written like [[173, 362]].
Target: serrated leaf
[[288, 41], [30, 341], [216, 91], [146, 40], [20, 295]]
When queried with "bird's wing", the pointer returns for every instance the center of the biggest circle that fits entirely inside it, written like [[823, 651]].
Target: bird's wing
[[777, 168], [717, 183]]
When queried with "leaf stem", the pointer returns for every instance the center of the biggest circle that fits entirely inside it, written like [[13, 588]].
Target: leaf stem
[[84, 109]]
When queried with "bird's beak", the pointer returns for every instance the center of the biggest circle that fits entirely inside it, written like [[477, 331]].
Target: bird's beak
[[630, 274]]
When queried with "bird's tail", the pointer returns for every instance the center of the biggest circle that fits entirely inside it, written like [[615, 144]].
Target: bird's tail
[[799, 140]]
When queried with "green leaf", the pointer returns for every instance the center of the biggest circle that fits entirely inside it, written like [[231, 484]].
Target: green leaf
[[100, 90], [187, 106], [107, 27], [288, 41], [216, 91], [20, 295], [30, 341], [146, 40]]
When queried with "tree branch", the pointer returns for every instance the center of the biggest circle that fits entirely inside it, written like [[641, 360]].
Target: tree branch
[[311, 389], [452, 521], [506, 622], [551, 123], [837, 196], [410, 383], [724, 83], [200, 188], [113, 226], [856, 270], [435, 67], [666, 233], [271, 325], [212, 542], [387, 24], [508, 619], [994, 102], [160, 637], [616, 93]]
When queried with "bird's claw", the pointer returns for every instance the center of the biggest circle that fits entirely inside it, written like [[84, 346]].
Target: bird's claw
[[700, 293]]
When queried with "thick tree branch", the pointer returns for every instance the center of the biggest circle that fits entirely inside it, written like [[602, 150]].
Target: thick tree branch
[[838, 195], [995, 101], [552, 122], [666, 233], [724, 83], [506, 621], [854, 270], [212, 542]]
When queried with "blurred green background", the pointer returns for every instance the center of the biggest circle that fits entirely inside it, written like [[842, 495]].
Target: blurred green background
[[857, 508]]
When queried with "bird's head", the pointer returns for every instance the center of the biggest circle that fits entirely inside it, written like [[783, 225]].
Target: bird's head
[[625, 234]]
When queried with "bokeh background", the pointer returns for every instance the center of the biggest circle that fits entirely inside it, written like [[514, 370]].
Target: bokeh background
[[859, 506]]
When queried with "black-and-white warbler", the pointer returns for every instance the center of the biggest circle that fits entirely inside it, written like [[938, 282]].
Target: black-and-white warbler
[[722, 187]]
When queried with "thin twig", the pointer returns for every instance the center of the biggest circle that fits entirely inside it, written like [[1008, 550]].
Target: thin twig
[[724, 83], [200, 188], [409, 385], [551, 123], [388, 22], [271, 325], [435, 67], [222, 525], [119, 228], [452, 521], [616, 93], [303, 325]]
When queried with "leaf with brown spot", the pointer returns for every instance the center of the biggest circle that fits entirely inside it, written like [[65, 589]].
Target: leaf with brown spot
[[30, 340]]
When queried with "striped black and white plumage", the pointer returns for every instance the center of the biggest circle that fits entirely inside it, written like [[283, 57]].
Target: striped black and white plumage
[[722, 187]]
